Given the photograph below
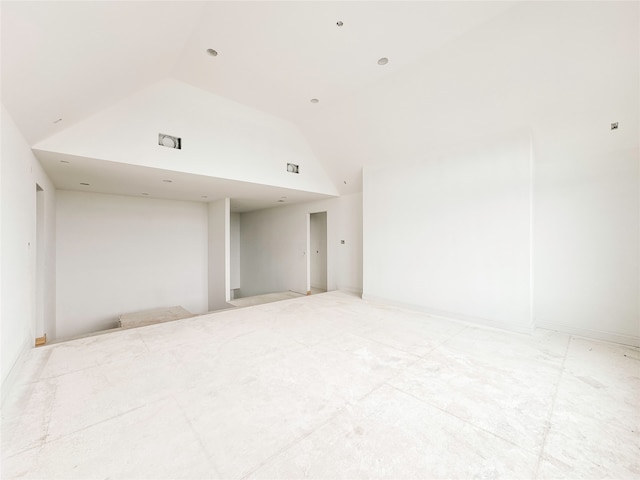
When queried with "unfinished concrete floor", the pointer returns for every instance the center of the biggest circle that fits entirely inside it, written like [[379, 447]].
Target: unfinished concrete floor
[[264, 298], [325, 386], [271, 297]]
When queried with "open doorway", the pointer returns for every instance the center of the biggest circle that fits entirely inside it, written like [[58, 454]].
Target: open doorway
[[317, 258], [40, 269]]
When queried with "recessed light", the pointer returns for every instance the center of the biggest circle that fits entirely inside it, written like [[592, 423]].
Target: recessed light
[[169, 141], [280, 201], [212, 52], [339, 23], [85, 184], [64, 161], [383, 61], [314, 100], [167, 181], [57, 121], [144, 193]]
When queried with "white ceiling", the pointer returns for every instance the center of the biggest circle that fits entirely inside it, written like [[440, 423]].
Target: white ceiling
[[68, 172], [69, 60], [276, 56]]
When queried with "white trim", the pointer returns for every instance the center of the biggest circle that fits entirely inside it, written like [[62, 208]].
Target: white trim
[[526, 329], [629, 340], [355, 290]]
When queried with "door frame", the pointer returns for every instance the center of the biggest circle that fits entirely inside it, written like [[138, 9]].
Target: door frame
[[309, 253]]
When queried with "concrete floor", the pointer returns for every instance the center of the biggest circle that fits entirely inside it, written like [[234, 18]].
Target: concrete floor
[[265, 298], [271, 297], [325, 386]]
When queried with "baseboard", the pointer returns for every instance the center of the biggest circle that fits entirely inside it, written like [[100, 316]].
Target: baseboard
[[13, 374], [484, 322], [629, 340], [354, 290]]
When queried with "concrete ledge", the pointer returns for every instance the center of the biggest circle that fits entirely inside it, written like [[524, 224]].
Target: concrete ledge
[[153, 316]]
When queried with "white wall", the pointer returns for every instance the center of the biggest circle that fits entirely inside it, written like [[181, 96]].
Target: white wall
[[234, 226], [565, 87], [452, 234], [219, 254], [118, 254], [274, 244], [318, 250], [220, 138], [20, 171], [587, 241]]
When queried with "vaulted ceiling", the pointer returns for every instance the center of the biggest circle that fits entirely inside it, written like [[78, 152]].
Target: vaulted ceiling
[[456, 70]]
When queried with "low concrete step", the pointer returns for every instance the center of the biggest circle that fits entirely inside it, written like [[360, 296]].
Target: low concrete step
[[153, 316]]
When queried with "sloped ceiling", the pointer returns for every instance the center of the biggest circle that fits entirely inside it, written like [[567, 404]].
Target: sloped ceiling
[[457, 71]]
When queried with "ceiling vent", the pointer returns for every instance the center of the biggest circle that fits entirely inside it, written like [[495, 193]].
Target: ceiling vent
[[291, 168], [169, 141]]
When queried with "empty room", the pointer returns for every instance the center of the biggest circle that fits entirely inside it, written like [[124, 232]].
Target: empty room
[[320, 239]]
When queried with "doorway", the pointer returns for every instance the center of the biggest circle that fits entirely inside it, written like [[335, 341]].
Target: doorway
[[40, 265], [317, 258]]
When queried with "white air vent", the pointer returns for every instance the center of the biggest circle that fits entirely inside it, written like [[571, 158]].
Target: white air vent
[[292, 168], [169, 141]]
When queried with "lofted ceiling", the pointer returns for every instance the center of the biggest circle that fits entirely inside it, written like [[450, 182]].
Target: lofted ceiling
[[72, 173], [457, 71], [64, 61]]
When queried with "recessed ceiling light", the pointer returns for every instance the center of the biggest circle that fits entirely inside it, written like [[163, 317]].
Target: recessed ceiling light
[[64, 161], [314, 100], [167, 181], [383, 61], [212, 52], [169, 141], [57, 121], [85, 184], [339, 23], [280, 201]]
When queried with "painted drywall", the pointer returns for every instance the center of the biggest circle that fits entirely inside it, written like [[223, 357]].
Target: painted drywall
[[118, 254], [220, 138], [274, 246], [20, 172], [587, 238], [452, 234], [538, 63], [505, 76], [219, 264], [318, 250], [234, 247]]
